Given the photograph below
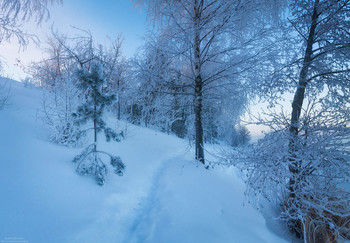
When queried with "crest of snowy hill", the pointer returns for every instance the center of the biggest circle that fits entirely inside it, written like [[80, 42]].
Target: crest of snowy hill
[[164, 195]]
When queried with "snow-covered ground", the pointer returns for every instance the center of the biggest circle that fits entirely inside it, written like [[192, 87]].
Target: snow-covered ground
[[164, 196]]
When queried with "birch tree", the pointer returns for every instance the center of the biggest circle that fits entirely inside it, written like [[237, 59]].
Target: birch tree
[[304, 160], [324, 64], [205, 42]]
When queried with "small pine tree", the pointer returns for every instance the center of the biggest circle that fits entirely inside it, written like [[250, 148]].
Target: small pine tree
[[91, 83]]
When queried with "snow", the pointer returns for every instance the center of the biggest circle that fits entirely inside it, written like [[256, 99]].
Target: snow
[[164, 196]]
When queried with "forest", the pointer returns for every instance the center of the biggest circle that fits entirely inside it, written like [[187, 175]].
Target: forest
[[203, 67]]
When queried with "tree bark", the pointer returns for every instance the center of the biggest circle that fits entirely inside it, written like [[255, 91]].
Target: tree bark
[[95, 130], [300, 92], [300, 95], [294, 166], [198, 95], [118, 99], [118, 109], [198, 109]]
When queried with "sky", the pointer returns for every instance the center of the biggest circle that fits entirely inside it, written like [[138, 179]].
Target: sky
[[103, 18]]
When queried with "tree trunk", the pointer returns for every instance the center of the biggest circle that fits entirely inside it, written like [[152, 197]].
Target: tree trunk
[[118, 99], [300, 92], [198, 106], [198, 95], [294, 166], [95, 130], [118, 109], [146, 119]]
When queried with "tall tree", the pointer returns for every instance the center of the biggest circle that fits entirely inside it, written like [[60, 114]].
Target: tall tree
[[324, 64], [323, 26], [305, 156], [205, 42]]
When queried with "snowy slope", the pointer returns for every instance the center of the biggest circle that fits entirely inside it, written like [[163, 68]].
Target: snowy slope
[[163, 196]]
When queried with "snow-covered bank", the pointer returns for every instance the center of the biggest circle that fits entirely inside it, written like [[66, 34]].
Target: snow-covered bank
[[162, 197]]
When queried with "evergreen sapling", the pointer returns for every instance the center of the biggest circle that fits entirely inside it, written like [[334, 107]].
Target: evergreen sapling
[[89, 162]]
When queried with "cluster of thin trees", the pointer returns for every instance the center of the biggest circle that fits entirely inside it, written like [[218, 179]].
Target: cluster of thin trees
[[202, 63], [220, 53]]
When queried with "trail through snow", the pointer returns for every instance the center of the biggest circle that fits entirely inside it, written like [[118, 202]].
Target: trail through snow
[[143, 221], [185, 205]]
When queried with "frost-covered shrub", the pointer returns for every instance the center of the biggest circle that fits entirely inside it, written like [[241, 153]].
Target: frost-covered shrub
[[112, 135], [58, 104], [28, 82], [65, 133], [89, 163], [118, 165], [306, 175]]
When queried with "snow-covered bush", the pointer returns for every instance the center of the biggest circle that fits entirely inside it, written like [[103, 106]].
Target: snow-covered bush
[[306, 175], [89, 163], [58, 104], [55, 75], [28, 82]]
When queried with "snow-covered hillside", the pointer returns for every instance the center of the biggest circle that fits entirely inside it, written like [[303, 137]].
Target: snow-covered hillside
[[164, 196]]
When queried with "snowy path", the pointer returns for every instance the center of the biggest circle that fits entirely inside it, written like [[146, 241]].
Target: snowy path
[[189, 204], [142, 225]]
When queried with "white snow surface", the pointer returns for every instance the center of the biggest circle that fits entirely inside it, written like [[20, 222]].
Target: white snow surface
[[164, 195]]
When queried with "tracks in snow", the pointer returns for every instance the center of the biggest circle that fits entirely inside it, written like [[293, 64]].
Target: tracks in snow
[[143, 226]]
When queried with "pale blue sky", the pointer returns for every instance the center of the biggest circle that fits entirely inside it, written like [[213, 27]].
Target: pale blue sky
[[102, 17]]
